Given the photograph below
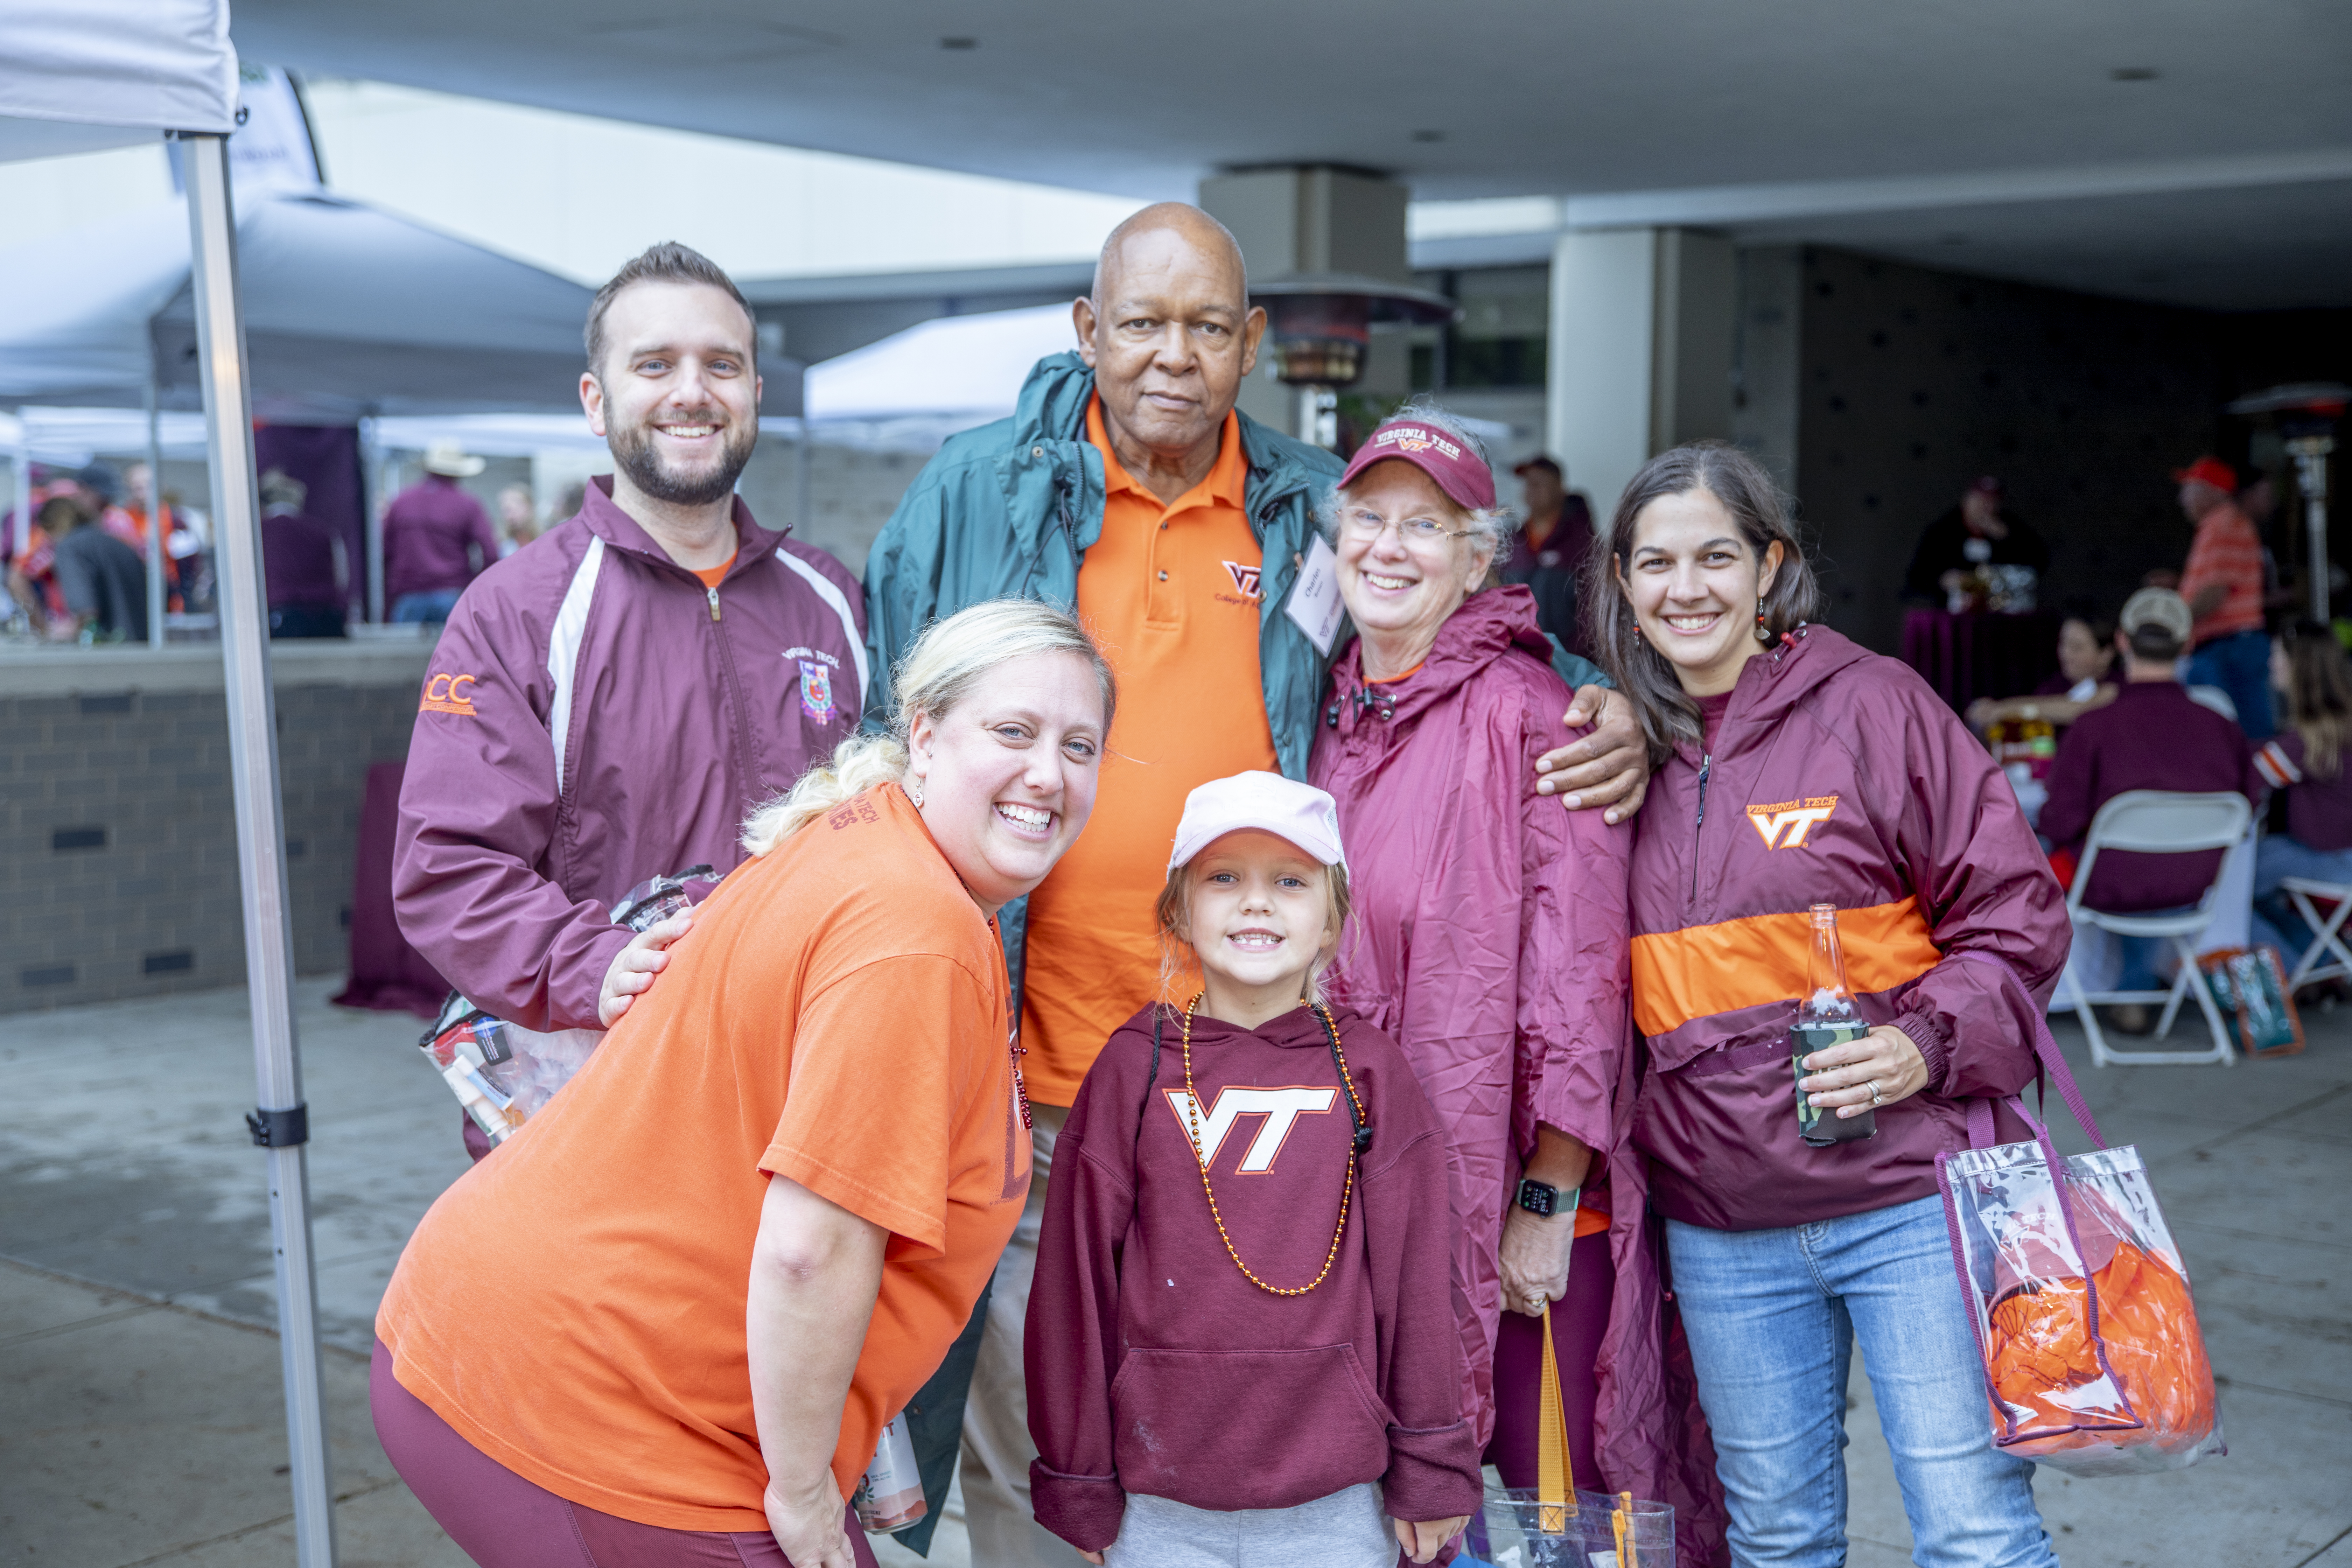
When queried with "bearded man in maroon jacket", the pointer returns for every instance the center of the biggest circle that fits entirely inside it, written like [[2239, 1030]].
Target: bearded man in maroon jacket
[[609, 704]]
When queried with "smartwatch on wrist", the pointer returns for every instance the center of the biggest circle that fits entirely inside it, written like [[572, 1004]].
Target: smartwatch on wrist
[[1540, 1197]]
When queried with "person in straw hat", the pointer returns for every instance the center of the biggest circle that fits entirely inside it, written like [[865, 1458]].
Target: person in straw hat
[[436, 538]]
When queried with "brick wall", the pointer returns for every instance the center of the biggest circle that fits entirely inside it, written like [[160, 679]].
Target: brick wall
[[117, 840]]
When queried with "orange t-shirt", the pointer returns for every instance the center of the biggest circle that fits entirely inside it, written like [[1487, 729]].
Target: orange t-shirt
[[1172, 594], [574, 1305], [713, 575]]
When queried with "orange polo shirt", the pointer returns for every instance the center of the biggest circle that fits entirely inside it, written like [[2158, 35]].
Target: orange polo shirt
[[1171, 595]]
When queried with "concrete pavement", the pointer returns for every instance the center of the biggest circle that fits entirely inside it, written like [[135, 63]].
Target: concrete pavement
[[141, 1417]]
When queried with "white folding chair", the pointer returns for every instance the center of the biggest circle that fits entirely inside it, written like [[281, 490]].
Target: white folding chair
[[2310, 967], [2216, 698], [2157, 821]]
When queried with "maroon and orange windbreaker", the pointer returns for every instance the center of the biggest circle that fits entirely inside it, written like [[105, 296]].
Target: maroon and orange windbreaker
[[1835, 776]]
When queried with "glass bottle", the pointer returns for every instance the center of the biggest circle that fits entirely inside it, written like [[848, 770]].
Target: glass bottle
[[1826, 1016]]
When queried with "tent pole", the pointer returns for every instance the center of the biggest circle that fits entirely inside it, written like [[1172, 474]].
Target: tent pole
[[802, 521], [154, 500], [24, 541], [372, 503], [281, 1124]]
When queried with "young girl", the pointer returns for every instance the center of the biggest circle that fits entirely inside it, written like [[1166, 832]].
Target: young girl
[[1241, 1344]]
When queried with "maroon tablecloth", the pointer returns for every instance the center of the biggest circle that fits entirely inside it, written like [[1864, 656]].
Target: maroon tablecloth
[[387, 973], [1967, 656]]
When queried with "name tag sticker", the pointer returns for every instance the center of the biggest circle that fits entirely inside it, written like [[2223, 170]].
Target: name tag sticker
[[1315, 598]]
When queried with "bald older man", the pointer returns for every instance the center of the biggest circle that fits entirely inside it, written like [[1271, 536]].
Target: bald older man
[[1127, 483]]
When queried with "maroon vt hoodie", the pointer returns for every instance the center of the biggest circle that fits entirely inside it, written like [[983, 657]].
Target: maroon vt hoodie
[[1156, 1367]]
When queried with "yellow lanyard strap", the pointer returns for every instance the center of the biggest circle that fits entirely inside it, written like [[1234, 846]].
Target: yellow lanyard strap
[[1555, 1490]]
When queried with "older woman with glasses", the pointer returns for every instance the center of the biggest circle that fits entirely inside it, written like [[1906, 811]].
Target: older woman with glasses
[[1489, 938]]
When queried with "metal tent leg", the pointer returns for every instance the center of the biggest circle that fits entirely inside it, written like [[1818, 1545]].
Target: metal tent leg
[[155, 542], [282, 1123]]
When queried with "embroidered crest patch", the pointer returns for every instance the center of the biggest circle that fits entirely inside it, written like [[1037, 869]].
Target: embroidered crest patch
[[816, 692]]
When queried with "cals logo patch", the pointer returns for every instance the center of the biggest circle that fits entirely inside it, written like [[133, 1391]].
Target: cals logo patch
[[816, 692], [447, 694], [1784, 825], [1245, 579]]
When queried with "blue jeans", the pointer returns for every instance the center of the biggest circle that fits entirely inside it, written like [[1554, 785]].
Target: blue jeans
[[2240, 664], [433, 606], [1773, 1316], [2275, 922]]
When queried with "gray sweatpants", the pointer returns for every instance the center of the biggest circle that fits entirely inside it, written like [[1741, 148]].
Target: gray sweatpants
[[1346, 1530]]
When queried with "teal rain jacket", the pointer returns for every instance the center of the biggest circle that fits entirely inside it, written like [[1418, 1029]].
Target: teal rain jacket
[[1011, 508]]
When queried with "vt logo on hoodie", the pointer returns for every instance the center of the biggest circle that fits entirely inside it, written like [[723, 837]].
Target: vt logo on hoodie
[[1784, 826], [1281, 1108]]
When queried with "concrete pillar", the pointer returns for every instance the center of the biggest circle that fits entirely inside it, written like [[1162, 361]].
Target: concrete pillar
[[1767, 357], [1641, 345], [1316, 218]]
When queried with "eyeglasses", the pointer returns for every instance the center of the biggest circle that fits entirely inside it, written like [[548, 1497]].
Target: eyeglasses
[[1368, 526]]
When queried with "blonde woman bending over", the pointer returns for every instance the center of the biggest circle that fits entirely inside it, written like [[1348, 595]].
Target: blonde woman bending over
[[667, 1322]]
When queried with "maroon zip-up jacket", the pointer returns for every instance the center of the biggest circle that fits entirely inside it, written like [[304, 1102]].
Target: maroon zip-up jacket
[[1156, 1367], [1837, 776], [592, 717]]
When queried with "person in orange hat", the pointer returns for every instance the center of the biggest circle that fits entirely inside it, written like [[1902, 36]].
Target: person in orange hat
[[2223, 585]]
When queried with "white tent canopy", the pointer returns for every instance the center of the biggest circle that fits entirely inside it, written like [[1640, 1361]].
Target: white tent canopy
[[145, 65], [131, 68], [349, 311], [956, 367], [70, 437]]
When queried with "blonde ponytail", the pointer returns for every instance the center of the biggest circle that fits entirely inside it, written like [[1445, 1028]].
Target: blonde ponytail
[[939, 671]]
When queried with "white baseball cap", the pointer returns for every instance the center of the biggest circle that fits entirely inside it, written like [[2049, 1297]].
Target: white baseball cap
[[1270, 803]]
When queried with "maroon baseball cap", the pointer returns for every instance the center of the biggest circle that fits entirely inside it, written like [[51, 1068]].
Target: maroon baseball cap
[[1459, 471]]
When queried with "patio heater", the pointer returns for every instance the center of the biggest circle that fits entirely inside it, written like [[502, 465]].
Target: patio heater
[[1321, 324], [2306, 416]]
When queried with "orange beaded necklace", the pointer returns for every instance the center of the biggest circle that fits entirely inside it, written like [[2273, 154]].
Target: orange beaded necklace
[[1192, 1124]]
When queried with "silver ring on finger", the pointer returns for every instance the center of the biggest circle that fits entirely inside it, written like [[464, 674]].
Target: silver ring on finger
[[1876, 1099]]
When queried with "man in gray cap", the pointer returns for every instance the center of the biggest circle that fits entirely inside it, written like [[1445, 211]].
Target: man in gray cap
[[2154, 735]]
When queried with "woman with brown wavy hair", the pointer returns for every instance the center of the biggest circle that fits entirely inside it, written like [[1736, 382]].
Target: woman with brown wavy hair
[[1796, 771]]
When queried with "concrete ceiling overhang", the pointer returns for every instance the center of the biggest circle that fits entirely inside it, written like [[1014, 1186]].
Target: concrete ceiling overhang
[[1488, 98]]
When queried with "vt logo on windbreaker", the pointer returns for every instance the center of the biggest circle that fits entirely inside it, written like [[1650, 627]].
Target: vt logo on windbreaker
[[1784, 826], [1281, 1108]]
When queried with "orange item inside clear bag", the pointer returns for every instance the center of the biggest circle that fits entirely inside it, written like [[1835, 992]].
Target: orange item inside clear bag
[[2094, 1361]]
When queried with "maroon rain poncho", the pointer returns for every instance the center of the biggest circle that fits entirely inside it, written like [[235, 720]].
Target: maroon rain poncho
[[1489, 940]]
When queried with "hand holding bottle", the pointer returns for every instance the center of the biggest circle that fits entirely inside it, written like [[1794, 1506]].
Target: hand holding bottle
[[1830, 1033], [1839, 1076]]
